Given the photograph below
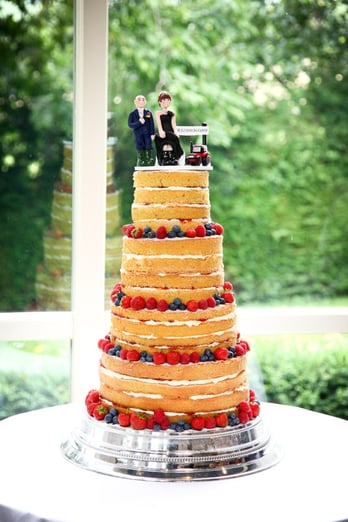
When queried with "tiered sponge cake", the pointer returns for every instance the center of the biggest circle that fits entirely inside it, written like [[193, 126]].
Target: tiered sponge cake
[[173, 357], [53, 285]]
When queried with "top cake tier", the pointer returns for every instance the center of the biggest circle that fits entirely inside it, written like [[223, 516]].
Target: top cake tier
[[169, 198]]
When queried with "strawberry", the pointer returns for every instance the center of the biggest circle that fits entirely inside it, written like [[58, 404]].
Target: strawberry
[[200, 230], [194, 357], [136, 232], [228, 285], [219, 229], [221, 354], [138, 302], [192, 305], [130, 228], [124, 419], [151, 303], [197, 423], [92, 396], [185, 358], [228, 296], [126, 301], [159, 358], [100, 411], [162, 305], [203, 304], [159, 416], [240, 350], [221, 420], [161, 232], [173, 357], [133, 355], [138, 421], [210, 423], [191, 232], [211, 302], [255, 409]]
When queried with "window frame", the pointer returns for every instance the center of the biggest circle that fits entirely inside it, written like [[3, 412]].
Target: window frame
[[87, 320]]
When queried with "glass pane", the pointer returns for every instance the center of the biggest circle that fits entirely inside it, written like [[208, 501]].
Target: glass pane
[[277, 118], [35, 117], [33, 374]]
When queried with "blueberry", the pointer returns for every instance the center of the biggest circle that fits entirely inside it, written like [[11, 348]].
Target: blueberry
[[187, 426], [176, 229], [172, 306], [115, 419], [151, 235], [204, 358], [108, 418], [181, 234], [157, 427], [113, 411], [179, 428], [149, 357], [147, 229], [233, 420], [177, 301]]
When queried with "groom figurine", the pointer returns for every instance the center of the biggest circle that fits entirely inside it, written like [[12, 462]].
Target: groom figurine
[[141, 121]]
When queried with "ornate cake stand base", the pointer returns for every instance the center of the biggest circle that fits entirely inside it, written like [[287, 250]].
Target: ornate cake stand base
[[169, 456]]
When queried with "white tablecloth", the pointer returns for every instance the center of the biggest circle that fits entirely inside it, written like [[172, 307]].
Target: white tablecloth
[[308, 485]]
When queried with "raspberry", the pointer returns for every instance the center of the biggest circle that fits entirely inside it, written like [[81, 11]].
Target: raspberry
[[210, 423], [221, 420], [221, 354], [91, 406], [162, 305], [102, 343], [138, 421], [185, 358], [228, 296], [173, 357], [138, 303], [244, 406], [92, 396], [243, 417], [124, 419], [159, 358], [151, 303], [192, 305], [255, 409], [190, 232], [125, 228], [126, 301], [252, 395], [107, 346], [197, 423], [240, 350], [200, 230], [203, 304], [211, 302], [133, 355], [150, 424], [194, 357], [161, 232], [165, 424], [228, 285], [159, 416], [219, 229], [245, 345], [123, 354]]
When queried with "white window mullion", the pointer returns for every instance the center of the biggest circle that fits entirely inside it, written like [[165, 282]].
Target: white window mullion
[[89, 187]]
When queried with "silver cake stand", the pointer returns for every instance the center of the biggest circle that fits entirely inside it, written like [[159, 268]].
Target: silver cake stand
[[169, 456]]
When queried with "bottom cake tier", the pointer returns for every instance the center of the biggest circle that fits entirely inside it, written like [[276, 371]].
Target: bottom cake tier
[[169, 456]]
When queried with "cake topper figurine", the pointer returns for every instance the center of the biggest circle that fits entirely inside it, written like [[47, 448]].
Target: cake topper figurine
[[167, 141], [140, 120]]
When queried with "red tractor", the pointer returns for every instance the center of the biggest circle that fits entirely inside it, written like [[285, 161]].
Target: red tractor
[[199, 155]]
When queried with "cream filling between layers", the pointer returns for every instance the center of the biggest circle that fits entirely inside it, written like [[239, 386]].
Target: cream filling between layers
[[174, 383], [173, 323], [192, 398]]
